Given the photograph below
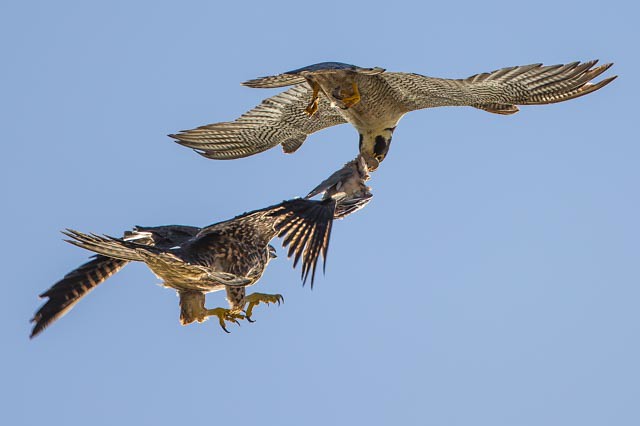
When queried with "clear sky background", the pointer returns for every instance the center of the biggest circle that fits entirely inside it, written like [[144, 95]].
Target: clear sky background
[[493, 280]]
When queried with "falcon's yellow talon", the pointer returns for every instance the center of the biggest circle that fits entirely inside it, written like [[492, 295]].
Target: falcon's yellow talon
[[350, 100], [313, 105], [312, 108], [225, 315], [254, 299]]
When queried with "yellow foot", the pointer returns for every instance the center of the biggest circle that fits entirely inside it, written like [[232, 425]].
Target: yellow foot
[[313, 105], [225, 315], [312, 108], [350, 100], [254, 299]]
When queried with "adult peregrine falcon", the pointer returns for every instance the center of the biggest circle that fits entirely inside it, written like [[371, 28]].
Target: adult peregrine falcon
[[373, 101], [228, 255]]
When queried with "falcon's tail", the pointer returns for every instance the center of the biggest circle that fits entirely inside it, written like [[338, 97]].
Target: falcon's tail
[[544, 84], [306, 228], [64, 294]]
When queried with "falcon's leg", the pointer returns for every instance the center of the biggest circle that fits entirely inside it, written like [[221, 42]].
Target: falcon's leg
[[347, 99], [192, 306], [313, 105], [254, 299], [192, 309], [235, 297]]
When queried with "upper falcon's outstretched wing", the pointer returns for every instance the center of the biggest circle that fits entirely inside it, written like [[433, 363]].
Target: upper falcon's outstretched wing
[[279, 119], [501, 90]]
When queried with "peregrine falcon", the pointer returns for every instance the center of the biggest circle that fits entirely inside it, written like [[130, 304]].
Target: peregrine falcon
[[374, 101], [228, 255]]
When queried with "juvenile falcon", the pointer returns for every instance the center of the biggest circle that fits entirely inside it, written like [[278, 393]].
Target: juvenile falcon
[[373, 101], [228, 255]]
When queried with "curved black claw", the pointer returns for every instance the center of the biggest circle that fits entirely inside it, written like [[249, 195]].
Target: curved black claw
[[248, 316], [225, 315], [255, 299], [230, 318]]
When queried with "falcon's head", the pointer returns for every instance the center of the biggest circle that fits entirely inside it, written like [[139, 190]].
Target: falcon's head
[[374, 146]]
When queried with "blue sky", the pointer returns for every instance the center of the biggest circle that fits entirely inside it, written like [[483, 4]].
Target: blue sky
[[493, 280]]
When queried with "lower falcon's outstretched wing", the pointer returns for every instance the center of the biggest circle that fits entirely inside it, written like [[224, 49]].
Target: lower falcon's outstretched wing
[[306, 226], [64, 294]]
